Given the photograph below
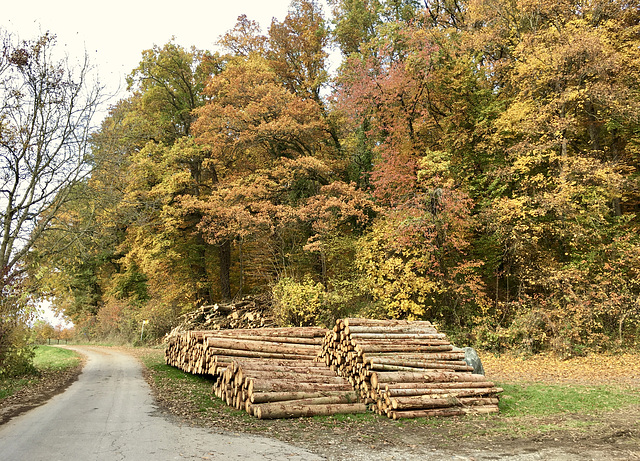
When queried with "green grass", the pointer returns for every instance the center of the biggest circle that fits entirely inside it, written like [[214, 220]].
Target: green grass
[[537, 408], [55, 358], [47, 358], [535, 399]]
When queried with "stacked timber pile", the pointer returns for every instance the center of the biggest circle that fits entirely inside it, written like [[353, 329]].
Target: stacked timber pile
[[273, 388], [249, 312], [269, 372], [203, 351], [407, 368]]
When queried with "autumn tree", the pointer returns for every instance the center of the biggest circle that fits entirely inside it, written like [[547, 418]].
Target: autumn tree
[[124, 219], [170, 80], [250, 122], [244, 39], [567, 137], [285, 221], [45, 121], [417, 261]]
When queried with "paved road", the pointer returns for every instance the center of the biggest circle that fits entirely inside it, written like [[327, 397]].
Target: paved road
[[109, 414]]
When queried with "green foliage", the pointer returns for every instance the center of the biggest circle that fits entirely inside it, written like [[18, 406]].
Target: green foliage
[[41, 331], [299, 304], [43, 358], [303, 303], [132, 284], [16, 356], [414, 261]]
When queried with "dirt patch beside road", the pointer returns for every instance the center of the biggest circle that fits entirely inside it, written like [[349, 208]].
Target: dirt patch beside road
[[39, 389]]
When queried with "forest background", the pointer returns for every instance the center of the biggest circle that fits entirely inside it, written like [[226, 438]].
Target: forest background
[[473, 163]]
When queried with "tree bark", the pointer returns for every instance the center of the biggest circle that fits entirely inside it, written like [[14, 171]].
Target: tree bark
[[224, 252]]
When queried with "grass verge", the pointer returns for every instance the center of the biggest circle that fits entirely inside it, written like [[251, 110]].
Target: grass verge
[[47, 360], [540, 399], [55, 358]]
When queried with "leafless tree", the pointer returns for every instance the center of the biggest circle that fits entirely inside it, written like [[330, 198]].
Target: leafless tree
[[47, 104]]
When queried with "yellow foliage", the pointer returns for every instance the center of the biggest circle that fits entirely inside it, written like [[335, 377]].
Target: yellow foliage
[[299, 304]]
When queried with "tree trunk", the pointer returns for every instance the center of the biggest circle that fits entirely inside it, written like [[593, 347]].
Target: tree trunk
[[225, 270], [203, 293]]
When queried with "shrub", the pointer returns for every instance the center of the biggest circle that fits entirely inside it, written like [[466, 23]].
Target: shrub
[[16, 356]]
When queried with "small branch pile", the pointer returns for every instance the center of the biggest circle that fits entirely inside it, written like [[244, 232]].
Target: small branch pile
[[269, 372], [249, 312], [407, 368]]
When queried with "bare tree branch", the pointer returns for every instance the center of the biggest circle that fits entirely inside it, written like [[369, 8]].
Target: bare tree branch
[[45, 123]]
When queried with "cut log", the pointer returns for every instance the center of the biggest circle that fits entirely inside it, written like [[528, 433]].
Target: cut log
[[354, 321], [440, 401], [298, 332], [463, 385], [379, 377], [313, 341], [369, 336], [269, 364], [262, 346], [439, 412], [258, 354], [284, 410], [418, 356], [265, 397], [300, 374], [427, 367], [257, 385]]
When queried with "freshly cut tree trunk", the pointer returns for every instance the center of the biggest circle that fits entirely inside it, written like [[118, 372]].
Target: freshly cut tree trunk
[[258, 354], [285, 410], [262, 346], [428, 386], [349, 396], [426, 368], [403, 336], [298, 374], [412, 377], [463, 392], [297, 332], [256, 385], [438, 401], [457, 411]]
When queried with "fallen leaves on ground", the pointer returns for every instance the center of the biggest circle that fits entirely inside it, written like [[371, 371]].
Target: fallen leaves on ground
[[592, 369]]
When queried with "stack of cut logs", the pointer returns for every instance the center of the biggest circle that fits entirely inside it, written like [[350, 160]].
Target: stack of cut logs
[[407, 369], [269, 372]]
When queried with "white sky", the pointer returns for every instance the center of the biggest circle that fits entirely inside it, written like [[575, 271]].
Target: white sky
[[115, 33], [46, 313]]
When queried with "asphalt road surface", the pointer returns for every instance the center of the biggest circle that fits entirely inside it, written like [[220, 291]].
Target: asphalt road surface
[[109, 414]]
